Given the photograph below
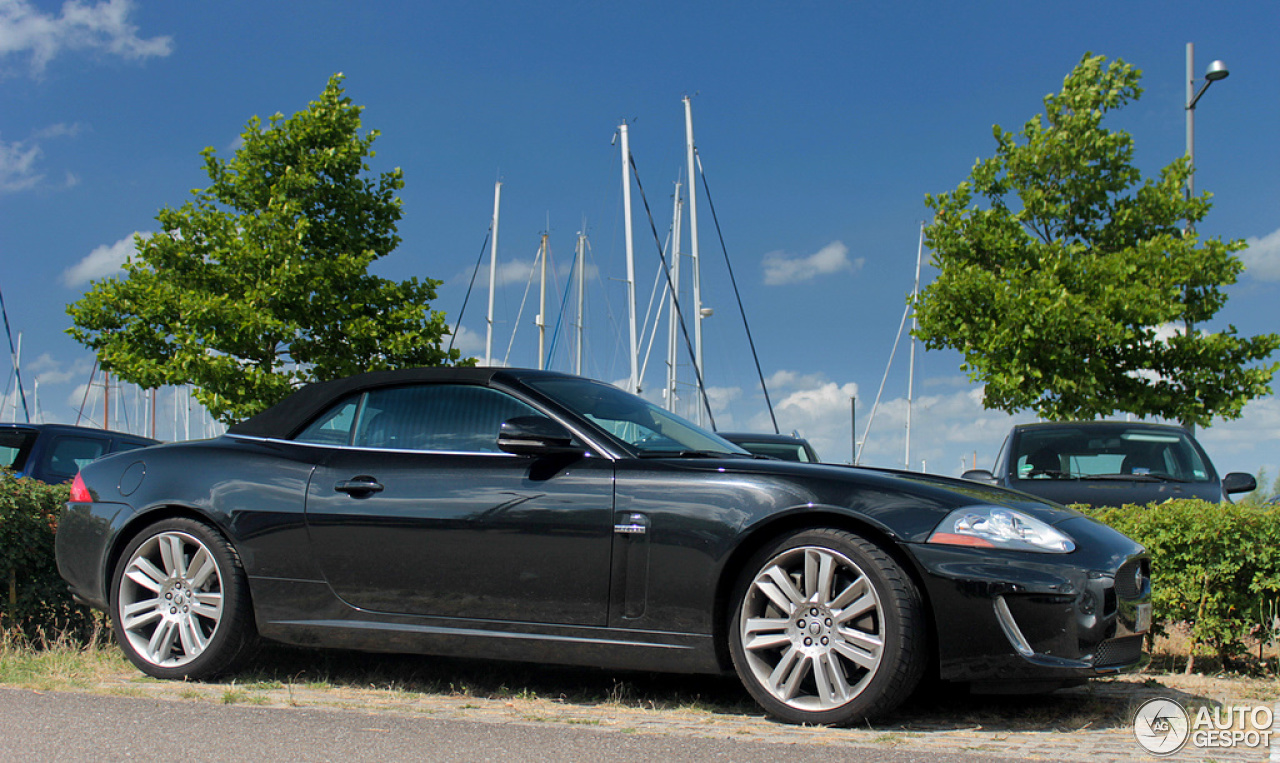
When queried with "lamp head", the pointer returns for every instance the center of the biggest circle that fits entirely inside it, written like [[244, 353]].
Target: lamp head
[[1216, 71]]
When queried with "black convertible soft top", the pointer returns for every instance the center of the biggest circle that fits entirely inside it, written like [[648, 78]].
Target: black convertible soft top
[[284, 419]]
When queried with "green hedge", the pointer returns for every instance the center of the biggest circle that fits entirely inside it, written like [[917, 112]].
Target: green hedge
[[1215, 566], [33, 597]]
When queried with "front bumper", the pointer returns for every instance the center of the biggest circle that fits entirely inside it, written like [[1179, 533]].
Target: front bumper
[[1013, 616]]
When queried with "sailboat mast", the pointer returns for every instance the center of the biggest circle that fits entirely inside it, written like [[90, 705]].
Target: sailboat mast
[[634, 381], [911, 365], [674, 318], [542, 306], [493, 275], [693, 244], [582, 298]]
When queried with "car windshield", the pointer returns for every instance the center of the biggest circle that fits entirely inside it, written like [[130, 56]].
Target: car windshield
[[1121, 453], [635, 421]]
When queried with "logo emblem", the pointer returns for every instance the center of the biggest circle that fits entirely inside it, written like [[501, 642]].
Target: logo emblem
[[1161, 726]]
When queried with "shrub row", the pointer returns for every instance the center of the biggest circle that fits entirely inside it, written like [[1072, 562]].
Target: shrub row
[[33, 598], [1214, 566]]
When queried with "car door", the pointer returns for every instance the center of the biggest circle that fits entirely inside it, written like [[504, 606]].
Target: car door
[[422, 514]]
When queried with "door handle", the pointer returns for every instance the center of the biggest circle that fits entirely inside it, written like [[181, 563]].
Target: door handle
[[631, 524], [359, 486]]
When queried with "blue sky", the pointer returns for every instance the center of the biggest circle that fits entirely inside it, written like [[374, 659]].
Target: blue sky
[[820, 127]]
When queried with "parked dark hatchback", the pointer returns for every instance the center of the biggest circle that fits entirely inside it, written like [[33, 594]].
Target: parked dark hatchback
[[783, 446], [53, 453], [1108, 463], [527, 515]]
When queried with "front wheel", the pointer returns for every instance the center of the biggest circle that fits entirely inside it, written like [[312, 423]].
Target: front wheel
[[827, 629], [180, 604]]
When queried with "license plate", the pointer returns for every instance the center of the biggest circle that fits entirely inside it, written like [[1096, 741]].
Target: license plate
[[1142, 622]]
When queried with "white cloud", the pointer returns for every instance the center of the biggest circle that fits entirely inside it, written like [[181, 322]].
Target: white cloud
[[782, 268], [810, 404], [469, 343], [102, 262], [1262, 258], [19, 159], [949, 431], [49, 370], [511, 272], [102, 27], [1247, 443], [721, 397], [18, 166]]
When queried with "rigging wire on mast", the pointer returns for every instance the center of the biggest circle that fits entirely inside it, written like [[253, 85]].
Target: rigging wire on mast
[[674, 299], [715, 219], [13, 354], [479, 260]]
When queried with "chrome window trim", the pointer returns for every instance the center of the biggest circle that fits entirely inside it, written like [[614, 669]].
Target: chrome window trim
[[362, 448]]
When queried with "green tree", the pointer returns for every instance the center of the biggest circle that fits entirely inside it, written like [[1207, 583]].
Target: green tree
[[1066, 280], [260, 282]]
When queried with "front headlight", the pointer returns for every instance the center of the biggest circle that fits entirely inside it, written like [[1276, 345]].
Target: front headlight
[[998, 527]]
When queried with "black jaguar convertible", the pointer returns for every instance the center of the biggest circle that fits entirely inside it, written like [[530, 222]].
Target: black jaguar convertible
[[529, 515]]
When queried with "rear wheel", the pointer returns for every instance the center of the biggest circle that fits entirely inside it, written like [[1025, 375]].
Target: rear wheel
[[827, 629], [180, 604]]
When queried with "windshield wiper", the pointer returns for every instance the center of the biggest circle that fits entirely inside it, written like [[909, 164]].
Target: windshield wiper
[[686, 454], [1145, 477], [1053, 474]]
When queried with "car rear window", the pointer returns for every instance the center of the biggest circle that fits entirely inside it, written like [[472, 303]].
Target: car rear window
[[15, 446], [782, 450], [69, 454]]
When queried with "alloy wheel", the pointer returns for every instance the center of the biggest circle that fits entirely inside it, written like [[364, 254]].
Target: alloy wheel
[[811, 629], [170, 601]]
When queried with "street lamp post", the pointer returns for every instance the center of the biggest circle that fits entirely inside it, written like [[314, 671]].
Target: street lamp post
[[1216, 71]]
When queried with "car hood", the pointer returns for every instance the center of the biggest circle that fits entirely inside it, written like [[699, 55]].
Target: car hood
[[855, 487], [1118, 492]]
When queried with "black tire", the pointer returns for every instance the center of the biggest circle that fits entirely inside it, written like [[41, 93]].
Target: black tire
[[180, 605], [827, 629]]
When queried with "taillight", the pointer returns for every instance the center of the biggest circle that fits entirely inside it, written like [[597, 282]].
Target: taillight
[[80, 493]]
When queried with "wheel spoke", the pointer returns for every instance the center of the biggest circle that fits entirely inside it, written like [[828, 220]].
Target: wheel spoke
[[851, 592], [862, 649], [161, 644], [146, 574], [819, 574], [193, 641], [788, 673], [859, 607], [202, 568], [782, 593], [141, 613], [828, 674], [207, 605], [765, 632], [171, 553]]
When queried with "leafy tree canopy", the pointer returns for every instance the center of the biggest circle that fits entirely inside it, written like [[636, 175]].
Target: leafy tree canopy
[[260, 282], [1068, 281]]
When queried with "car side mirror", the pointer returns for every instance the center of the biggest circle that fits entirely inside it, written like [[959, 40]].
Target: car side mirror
[[979, 475], [1239, 482], [535, 436]]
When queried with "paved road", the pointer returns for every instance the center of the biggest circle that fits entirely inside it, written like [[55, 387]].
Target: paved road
[[69, 727]]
